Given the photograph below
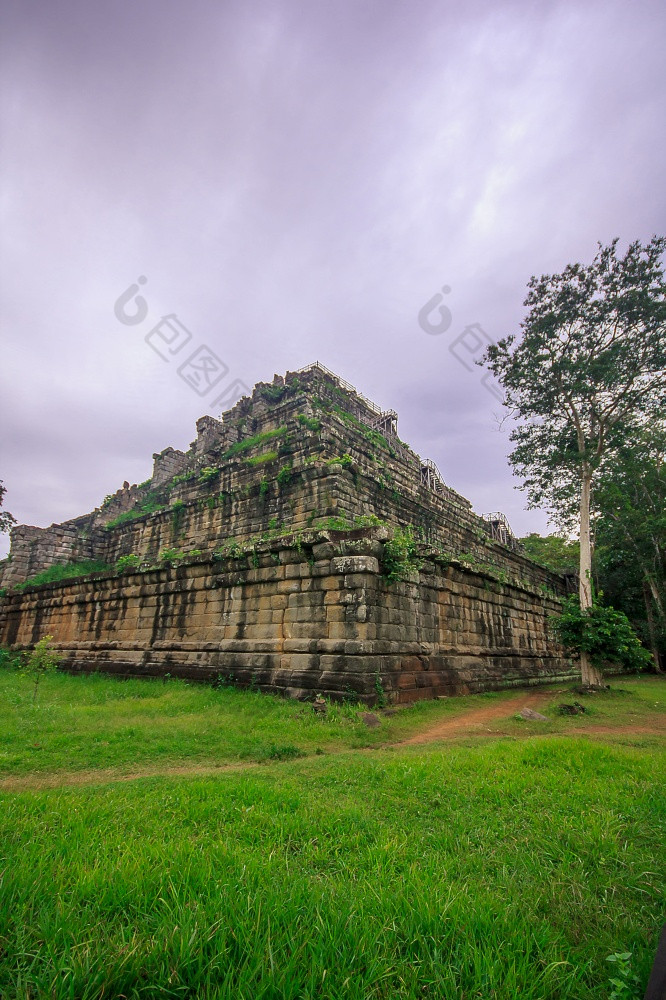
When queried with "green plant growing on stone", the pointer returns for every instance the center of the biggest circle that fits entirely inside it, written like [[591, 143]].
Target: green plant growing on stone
[[264, 486], [68, 571], [42, 660], [169, 556], [379, 691], [177, 515], [128, 562], [603, 633], [183, 477], [311, 423], [240, 446], [400, 557], [266, 456], [208, 474], [284, 475]]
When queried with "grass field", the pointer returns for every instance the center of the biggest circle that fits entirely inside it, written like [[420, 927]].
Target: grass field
[[328, 861]]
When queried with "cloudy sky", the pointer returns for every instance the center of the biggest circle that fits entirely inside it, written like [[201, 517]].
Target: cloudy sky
[[295, 180]]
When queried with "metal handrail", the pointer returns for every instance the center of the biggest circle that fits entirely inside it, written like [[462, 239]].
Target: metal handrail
[[341, 382]]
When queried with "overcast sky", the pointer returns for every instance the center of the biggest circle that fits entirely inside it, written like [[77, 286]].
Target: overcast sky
[[295, 180]]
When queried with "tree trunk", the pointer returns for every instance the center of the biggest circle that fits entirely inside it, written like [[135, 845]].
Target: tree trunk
[[591, 676], [647, 595]]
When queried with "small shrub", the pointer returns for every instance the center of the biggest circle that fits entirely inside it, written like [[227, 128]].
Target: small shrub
[[169, 556], [311, 423], [183, 477], [284, 475], [626, 985], [208, 474], [9, 660], [400, 555], [42, 660], [602, 632], [128, 562], [264, 486]]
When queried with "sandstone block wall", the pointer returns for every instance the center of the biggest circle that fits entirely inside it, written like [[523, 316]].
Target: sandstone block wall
[[316, 618]]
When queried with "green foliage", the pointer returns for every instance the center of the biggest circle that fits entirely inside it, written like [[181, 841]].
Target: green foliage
[[145, 483], [266, 456], [276, 393], [590, 365], [150, 506], [208, 474], [241, 446], [264, 487], [230, 550], [626, 985], [284, 475], [67, 571], [183, 477], [400, 557], [107, 501], [42, 660], [311, 423], [555, 552], [128, 562], [344, 460], [602, 632], [169, 557], [9, 660], [373, 436], [630, 533], [381, 699], [7, 520]]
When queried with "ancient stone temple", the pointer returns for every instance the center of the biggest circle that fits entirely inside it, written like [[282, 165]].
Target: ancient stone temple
[[298, 546]]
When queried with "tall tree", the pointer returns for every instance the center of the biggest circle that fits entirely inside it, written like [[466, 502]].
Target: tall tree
[[630, 534], [588, 371], [6, 519]]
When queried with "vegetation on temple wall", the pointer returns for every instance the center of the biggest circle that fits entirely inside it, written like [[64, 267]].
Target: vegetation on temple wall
[[240, 446], [311, 423], [346, 461], [65, 571], [151, 505], [183, 477], [400, 557], [208, 474], [266, 456], [284, 476], [128, 562]]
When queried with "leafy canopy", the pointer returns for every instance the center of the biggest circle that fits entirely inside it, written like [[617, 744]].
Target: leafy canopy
[[589, 369]]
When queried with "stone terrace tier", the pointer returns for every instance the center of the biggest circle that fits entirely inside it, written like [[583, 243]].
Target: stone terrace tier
[[229, 572]]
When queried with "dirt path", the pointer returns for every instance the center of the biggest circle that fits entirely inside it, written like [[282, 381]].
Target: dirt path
[[471, 722], [101, 776]]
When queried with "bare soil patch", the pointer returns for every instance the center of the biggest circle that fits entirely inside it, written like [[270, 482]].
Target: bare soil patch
[[471, 722]]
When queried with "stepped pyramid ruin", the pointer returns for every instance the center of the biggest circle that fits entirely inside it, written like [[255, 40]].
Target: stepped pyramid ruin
[[298, 546]]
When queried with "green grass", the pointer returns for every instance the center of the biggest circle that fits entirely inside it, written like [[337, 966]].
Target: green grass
[[67, 571], [251, 442], [497, 868]]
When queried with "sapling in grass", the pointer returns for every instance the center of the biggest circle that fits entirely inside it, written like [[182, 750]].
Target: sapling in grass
[[42, 660]]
